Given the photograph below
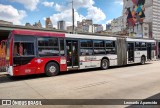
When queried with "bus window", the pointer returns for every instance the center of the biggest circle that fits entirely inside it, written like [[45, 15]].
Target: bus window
[[110, 47], [48, 47], [16, 51], [138, 46], [23, 49], [62, 52], [99, 47], [143, 46], [86, 43], [86, 47]]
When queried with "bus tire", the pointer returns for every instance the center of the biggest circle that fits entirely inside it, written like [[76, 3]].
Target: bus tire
[[104, 64], [52, 69], [143, 60]]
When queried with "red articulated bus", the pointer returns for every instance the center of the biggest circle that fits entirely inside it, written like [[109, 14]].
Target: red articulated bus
[[35, 52]]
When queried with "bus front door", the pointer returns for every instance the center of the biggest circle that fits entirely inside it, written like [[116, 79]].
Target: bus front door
[[130, 52], [72, 54], [149, 51]]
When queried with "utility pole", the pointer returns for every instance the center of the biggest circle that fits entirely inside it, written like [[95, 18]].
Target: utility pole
[[72, 17]]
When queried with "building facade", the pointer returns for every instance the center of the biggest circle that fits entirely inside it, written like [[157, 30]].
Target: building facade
[[97, 28], [85, 26], [156, 19], [117, 25], [108, 26], [28, 25], [69, 29], [61, 25], [37, 24], [48, 23], [5, 22], [142, 18]]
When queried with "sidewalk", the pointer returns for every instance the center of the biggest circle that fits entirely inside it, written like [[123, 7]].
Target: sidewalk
[[3, 73]]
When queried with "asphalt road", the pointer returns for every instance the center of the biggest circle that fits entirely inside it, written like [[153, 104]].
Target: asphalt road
[[131, 82]]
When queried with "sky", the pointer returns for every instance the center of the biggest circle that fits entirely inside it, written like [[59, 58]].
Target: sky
[[30, 11]]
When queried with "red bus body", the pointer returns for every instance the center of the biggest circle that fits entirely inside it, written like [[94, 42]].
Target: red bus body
[[36, 65]]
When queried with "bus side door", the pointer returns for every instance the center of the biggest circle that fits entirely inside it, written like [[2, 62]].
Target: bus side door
[[72, 54]]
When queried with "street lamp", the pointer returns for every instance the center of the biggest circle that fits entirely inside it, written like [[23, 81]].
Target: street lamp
[[72, 17]]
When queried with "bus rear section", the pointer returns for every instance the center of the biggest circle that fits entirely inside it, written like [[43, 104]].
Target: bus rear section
[[132, 50]]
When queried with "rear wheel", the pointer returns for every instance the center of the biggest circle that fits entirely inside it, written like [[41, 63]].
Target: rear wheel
[[52, 69], [104, 64], [143, 60]]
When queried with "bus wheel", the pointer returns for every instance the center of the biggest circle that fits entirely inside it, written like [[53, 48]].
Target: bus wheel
[[52, 69], [143, 60], [104, 64]]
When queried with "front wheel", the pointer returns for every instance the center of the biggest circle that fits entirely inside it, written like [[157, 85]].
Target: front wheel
[[52, 69], [143, 60], [104, 64]]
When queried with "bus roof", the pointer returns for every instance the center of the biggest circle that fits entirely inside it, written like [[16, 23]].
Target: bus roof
[[78, 36], [38, 33], [139, 40]]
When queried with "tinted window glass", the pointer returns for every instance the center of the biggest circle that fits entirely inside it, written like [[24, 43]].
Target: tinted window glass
[[110, 47], [62, 53], [98, 44], [48, 52], [86, 51], [137, 46], [23, 49], [24, 38], [110, 51], [99, 51], [143, 46], [48, 47], [86, 47], [86, 43], [110, 43], [47, 42]]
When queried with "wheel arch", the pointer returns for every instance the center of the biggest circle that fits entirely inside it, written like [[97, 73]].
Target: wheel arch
[[50, 62], [105, 58], [144, 56]]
